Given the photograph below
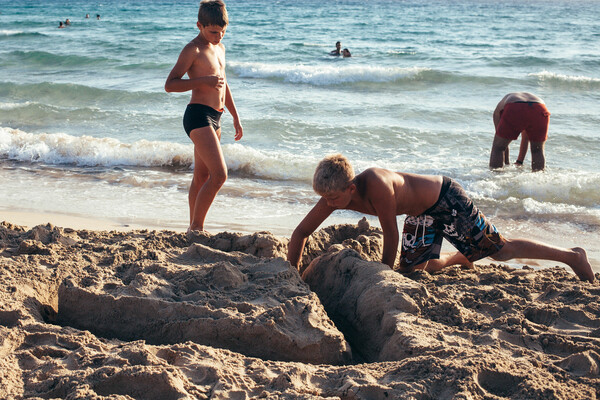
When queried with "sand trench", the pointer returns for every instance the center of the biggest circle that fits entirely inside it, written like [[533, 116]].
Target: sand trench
[[224, 316]]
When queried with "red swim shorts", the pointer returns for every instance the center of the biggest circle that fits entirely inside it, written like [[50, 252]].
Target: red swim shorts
[[533, 118]]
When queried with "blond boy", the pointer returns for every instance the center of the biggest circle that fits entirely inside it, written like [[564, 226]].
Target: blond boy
[[203, 59], [436, 207]]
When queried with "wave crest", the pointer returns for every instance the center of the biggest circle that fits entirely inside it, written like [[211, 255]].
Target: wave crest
[[60, 148], [576, 81], [325, 74], [88, 151]]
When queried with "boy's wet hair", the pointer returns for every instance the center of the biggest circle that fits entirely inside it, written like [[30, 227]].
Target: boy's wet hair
[[333, 174], [213, 12]]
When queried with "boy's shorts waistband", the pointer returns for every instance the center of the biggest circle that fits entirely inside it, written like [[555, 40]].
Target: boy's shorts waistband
[[200, 105], [445, 185]]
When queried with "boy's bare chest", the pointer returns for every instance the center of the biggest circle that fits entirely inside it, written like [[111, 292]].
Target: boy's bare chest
[[209, 61], [364, 206]]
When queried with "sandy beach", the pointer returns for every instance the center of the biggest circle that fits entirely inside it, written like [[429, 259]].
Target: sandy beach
[[104, 296], [147, 314]]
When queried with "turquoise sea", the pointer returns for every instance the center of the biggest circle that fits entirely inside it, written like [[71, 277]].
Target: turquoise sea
[[86, 128]]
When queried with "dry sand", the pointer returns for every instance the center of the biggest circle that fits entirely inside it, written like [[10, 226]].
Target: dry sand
[[161, 315]]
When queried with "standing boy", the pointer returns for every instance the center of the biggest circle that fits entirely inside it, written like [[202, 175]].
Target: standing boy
[[436, 207], [203, 59], [520, 113]]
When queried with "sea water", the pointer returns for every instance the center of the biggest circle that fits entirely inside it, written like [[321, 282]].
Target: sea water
[[87, 129]]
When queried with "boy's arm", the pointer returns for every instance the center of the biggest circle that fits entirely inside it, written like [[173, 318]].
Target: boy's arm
[[175, 83], [313, 219], [385, 207], [230, 104], [389, 225], [523, 147]]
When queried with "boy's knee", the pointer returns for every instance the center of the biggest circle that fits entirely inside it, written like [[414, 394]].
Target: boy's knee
[[504, 254], [219, 177], [422, 266], [201, 176]]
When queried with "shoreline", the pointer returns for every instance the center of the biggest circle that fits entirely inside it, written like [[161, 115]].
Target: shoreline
[[31, 219]]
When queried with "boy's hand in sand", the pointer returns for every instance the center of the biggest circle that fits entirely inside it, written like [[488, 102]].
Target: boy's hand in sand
[[239, 130]]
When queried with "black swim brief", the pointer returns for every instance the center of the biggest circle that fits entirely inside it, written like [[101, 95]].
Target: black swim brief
[[199, 115], [454, 217]]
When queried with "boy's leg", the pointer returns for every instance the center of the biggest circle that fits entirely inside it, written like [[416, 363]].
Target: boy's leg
[[199, 177], [210, 173], [538, 159], [445, 260], [576, 257], [522, 148], [499, 147]]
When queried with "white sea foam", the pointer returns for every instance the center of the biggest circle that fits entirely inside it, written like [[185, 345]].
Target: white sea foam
[[539, 207], [552, 76], [60, 149], [11, 105], [9, 32], [558, 189], [402, 52], [272, 165], [324, 75]]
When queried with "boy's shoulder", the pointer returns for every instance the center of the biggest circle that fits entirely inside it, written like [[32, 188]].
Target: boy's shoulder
[[377, 174], [197, 46], [194, 44], [373, 180]]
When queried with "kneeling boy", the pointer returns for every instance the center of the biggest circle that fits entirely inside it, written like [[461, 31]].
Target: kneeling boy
[[436, 207]]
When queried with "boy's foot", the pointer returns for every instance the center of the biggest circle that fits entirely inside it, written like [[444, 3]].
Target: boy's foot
[[467, 265], [581, 266], [194, 235]]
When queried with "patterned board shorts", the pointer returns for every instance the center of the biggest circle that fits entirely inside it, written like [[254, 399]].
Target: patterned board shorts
[[455, 218]]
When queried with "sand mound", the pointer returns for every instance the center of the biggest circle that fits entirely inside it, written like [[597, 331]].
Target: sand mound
[[363, 238], [227, 300], [162, 315]]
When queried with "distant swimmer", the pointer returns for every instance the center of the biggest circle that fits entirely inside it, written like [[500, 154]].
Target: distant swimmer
[[346, 53], [87, 15], [60, 25], [337, 51], [97, 16], [68, 22], [520, 113]]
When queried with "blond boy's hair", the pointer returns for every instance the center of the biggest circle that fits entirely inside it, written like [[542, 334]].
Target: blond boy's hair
[[333, 174], [213, 12]]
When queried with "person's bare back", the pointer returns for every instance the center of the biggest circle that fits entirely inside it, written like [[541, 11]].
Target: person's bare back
[[412, 194], [517, 97]]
